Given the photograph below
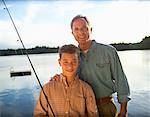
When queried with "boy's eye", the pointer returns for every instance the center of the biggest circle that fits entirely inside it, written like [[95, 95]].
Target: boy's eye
[[74, 62], [66, 62]]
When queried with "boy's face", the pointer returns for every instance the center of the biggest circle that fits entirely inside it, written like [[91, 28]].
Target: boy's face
[[69, 64]]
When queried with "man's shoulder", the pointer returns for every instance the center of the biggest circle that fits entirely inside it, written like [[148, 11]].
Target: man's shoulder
[[104, 46]]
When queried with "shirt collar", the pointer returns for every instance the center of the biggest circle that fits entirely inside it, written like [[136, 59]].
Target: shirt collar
[[91, 48], [63, 79]]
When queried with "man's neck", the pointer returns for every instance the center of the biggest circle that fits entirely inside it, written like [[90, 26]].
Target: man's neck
[[86, 46]]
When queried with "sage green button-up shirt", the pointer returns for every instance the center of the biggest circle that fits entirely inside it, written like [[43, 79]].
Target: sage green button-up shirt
[[101, 68]]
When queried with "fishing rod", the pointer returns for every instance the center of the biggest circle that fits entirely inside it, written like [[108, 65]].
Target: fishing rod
[[27, 55]]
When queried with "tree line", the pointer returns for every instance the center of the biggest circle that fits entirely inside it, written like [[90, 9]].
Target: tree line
[[143, 45], [36, 50]]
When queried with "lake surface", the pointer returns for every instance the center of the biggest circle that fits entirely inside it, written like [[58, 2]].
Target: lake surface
[[18, 95]]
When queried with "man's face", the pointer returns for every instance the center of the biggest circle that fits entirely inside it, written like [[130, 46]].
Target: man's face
[[69, 64], [81, 30]]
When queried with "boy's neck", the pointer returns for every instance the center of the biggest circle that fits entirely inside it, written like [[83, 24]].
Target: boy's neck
[[69, 79]]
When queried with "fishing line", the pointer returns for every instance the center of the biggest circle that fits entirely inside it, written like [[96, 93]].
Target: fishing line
[[27, 55]]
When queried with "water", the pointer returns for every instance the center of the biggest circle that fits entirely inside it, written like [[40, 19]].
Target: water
[[18, 95], [136, 65]]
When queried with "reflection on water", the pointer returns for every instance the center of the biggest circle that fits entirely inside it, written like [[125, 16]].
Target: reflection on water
[[140, 103], [17, 103], [18, 95], [136, 65]]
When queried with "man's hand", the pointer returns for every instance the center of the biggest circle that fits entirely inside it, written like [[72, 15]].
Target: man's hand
[[122, 115], [56, 77], [123, 110]]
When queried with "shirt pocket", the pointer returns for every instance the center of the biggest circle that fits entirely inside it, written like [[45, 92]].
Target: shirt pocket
[[105, 65], [104, 71]]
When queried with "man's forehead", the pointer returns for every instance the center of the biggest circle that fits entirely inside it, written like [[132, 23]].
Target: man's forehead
[[79, 20]]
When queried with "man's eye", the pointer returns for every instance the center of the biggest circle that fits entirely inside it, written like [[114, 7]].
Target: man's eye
[[84, 29], [76, 29]]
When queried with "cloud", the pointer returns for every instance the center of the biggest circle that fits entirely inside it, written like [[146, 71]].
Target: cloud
[[122, 22], [64, 7], [48, 24], [7, 33], [32, 11]]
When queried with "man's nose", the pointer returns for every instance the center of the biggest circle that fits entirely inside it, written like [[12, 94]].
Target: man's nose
[[81, 30]]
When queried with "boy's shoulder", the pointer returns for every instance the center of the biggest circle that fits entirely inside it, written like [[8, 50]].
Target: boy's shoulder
[[52, 83], [84, 84]]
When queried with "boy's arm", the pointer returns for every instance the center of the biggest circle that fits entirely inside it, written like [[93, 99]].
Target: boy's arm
[[42, 109], [41, 106]]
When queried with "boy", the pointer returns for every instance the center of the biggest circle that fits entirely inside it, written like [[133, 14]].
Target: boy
[[69, 96]]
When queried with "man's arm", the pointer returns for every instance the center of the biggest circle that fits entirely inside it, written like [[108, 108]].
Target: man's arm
[[91, 106], [121, 83]]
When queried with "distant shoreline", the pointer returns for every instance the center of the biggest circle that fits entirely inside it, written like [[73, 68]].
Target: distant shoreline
[[36, 50], [143, 45]]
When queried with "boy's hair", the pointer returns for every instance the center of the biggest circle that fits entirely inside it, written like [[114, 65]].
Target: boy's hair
[[78, 17], [71, 49]]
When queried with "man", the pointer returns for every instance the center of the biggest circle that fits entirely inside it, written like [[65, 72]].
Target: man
[[69, 96], [101, 68]]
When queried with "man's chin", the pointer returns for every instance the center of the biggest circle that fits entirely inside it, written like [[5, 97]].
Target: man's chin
[[81, 41]]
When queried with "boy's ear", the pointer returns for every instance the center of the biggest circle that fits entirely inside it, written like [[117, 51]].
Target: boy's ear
[[59, 62]]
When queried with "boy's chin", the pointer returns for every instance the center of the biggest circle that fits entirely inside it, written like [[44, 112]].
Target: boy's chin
[[70, 74]]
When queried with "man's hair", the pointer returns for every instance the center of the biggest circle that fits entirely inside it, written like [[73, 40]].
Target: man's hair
[[80, 17], [71, 49]]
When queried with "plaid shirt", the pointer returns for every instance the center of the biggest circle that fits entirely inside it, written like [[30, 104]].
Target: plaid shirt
[[75, 100]]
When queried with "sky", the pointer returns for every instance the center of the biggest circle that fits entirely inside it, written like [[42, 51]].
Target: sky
[[47, 23]]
